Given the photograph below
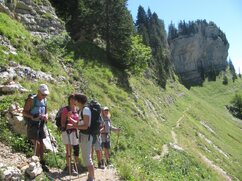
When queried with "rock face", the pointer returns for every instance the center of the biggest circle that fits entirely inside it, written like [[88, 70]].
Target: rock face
[[199, 54], [40, 19]]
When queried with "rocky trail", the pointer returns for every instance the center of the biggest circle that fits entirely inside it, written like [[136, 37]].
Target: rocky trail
[[107, 174], [18, 160]]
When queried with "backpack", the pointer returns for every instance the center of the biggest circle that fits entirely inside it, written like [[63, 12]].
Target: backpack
[[33, 97], [96, 119], [58, 118]]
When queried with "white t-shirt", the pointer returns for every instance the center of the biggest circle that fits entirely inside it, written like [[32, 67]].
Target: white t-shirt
[[86, 111]]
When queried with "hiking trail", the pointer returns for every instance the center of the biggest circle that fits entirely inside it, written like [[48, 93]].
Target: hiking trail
[[10, 158], [208, 162], [107, 174]]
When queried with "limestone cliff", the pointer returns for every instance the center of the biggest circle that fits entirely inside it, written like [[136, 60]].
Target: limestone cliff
[[199, 52], [38, 16]]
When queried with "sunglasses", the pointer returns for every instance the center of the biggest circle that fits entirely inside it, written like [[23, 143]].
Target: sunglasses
[[44, 95], [106, 110]]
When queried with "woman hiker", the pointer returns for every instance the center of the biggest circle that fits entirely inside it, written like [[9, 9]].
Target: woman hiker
[[105, 133]]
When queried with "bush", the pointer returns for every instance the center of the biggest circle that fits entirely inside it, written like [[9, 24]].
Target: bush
[[237, 102], [225, 80]]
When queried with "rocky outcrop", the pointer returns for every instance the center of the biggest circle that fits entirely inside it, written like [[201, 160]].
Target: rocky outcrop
[[200, 53], [24, 72], [16, 120], [40, 19]]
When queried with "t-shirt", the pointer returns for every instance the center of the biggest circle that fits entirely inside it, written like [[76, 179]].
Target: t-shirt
[[86, 111], [107, 125]]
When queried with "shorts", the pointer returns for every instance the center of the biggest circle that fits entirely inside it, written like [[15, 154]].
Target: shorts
[[96, 143], [86, 148], [35, 131], [106, 145], [70, 138]]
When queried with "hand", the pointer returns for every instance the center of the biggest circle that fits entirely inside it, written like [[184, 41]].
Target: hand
[[69, 115], [35, 118], [44, 117]]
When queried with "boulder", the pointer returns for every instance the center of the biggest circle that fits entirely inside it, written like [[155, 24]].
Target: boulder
[[34, 169]]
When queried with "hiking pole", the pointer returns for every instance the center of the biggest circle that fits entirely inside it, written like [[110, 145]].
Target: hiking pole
[[69, 151], [51, 142], [116, 146], [37, 139]]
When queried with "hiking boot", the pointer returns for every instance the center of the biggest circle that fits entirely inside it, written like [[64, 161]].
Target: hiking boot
[[44, 166], [108, 162], [101, 165], [74, 171]]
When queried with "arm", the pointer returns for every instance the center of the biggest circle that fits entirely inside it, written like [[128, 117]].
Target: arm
[[85, 123], [116, 130]]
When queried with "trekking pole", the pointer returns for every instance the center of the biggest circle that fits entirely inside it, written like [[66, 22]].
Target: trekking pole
[[69, 152], [51, 142], [37, 139], [116, 146]]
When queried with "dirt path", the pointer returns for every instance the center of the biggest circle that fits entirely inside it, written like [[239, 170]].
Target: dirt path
[[9, 158], [216, 168], [208, 162], [107, 174]]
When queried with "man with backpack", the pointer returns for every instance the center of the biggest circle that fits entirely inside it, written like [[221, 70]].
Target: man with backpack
[[35, 113], [85, 137]]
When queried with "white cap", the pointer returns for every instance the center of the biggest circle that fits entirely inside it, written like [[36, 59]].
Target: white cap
[[105, 108], [44, 89]]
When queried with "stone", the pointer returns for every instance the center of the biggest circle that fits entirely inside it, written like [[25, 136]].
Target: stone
[[34, 159], [12, 173]]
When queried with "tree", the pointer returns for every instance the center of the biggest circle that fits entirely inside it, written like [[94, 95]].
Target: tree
[[142, 25], [116, 29], [225, 80], [139, 55], [108, 20], [172, 32]]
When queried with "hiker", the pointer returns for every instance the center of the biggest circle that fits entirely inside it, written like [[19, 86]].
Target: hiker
[[105, 133], [69, 134], [85, 138], [35, 111]]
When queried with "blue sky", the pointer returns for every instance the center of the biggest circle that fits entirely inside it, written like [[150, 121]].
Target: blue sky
[[226, 14]]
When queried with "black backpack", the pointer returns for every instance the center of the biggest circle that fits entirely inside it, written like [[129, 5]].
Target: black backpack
[[58, 118], [96, 119]]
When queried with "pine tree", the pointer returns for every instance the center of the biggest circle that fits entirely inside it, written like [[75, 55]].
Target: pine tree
[[142, 25], [172, 32], [116, 30]]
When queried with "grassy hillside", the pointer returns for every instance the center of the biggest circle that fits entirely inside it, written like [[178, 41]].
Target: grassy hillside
[[150, 117]]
